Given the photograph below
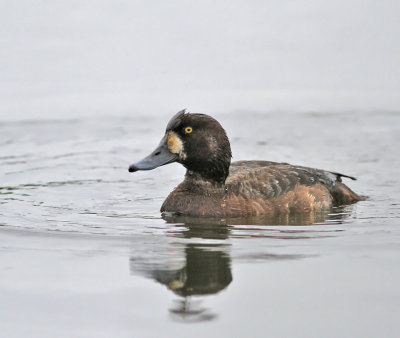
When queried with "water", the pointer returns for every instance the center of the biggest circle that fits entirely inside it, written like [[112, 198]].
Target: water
[[85, 251]]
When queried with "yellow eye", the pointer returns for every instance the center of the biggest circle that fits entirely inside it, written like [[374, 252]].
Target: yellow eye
[[188, 130]]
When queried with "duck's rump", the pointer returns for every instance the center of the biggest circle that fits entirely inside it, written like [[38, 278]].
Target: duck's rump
[[268, 188]]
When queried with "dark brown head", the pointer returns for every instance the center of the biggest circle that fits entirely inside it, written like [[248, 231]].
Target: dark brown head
[[198, 142]]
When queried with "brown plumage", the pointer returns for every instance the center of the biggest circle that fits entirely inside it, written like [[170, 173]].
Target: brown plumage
[[214, 187]]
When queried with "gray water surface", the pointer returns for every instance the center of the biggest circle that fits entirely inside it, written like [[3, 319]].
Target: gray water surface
[[85, 252]]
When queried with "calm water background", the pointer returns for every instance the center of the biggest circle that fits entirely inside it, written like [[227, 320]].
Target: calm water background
[[85, 252], [86, 88]]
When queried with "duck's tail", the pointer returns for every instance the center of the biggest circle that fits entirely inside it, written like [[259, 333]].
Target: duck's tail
[[339, 176]]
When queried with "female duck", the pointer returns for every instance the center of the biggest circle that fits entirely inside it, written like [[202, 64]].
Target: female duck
[[216, 188]]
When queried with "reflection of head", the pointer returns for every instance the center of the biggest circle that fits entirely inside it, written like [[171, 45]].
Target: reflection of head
[[206, 271]]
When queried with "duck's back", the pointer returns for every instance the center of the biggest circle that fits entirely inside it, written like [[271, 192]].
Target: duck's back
[[268, 188]]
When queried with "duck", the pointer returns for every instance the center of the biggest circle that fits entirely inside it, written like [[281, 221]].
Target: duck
[[215, 187]]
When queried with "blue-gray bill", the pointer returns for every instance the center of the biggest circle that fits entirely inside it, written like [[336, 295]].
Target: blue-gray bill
[[159, 157]]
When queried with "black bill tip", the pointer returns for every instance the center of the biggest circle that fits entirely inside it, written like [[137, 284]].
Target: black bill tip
[[133, 168]]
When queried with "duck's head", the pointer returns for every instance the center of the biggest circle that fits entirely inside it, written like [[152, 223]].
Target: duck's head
[[195, 140]]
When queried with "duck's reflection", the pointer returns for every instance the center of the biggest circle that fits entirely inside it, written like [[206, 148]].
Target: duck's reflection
[[205, 270]]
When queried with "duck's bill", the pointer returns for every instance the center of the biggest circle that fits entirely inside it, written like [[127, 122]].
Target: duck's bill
[[160, 156]]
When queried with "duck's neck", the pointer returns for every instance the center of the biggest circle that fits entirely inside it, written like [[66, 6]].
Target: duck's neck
[[199, 181], [214, 172]]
